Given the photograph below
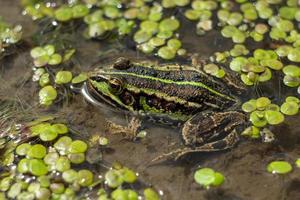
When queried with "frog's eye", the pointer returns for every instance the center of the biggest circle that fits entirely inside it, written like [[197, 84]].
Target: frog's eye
[[122, 63], [128, 99], [116, 85]]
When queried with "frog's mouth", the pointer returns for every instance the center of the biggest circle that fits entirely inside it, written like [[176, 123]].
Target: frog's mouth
[[92, 95], [97, 92]]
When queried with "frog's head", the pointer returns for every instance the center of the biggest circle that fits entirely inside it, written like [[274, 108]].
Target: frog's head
[[108, 85]]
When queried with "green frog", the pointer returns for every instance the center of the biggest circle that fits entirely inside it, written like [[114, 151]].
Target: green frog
[[204, 106]]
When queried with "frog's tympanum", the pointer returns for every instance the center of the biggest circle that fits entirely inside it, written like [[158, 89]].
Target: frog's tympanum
[[204, 106]]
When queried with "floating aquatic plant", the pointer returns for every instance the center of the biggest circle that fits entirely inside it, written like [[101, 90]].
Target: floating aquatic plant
[[9, 35], [208, 177], [279, 167]]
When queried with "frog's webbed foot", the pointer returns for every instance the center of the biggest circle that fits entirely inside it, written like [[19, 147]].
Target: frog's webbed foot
[[211, 131], [129, 132], [226, 143]]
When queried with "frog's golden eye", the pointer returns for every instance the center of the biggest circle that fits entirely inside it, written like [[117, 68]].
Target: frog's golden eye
[[128, 99], [116, 85]]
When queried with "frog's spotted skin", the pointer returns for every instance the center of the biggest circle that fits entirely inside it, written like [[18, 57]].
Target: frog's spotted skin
[[171, 94]]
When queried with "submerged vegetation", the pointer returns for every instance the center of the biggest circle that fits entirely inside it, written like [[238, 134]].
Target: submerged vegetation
[[46, 159]]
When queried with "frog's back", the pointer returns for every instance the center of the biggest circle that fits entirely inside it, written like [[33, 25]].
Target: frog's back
[[180, 83]]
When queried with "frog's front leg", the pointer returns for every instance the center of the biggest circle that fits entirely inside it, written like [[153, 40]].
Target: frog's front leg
[[211, 131], [129, 131]]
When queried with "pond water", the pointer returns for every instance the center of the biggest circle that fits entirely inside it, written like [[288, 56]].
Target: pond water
[[244, 166]]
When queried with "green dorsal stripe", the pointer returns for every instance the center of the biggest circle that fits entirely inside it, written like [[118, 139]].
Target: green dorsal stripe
[[191, 83]]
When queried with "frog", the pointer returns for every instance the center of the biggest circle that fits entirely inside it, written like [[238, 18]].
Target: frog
[[205, 108]]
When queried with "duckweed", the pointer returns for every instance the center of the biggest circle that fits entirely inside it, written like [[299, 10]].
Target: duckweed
[[174, 44], [249, 106], [63, 77], [51, 158], [63, 14], [208, 177], [76, 158], [142, 36], [48, 132], [298, 162], [63, 144], [9, 36], [103, 141], [62, 164], [258, 118], [156, 41], [262, 103], [151, 194], [57, 188], [124, 194], [45, 55], [22, 149], [169, 24], [149, 26], [48, 135], [23, 165], [37, 151], [252, 132], [263, 112], [37, 167], [166, 53], [60, 128], [70, 176], [257, 68], [290, 106], [113, 179], [292, 75], [78, 146], [85, 177], [44, 79], [79, 79], [79, 11], [274, 117], [279, 167], [44, 181]]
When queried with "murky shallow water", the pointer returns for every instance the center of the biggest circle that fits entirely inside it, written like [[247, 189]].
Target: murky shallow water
[[244, 166]]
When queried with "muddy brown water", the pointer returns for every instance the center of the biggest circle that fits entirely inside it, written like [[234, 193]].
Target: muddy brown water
[[244, 166]]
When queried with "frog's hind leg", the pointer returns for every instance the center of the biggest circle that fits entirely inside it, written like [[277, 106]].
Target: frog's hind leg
[[226, 143], [209, 131]]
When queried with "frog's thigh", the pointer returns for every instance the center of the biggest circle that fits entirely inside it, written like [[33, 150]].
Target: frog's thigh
[[226, 143], [208, 127]]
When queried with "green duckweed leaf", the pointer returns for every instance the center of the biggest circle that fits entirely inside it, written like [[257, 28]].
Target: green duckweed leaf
[[274, 117], [279, 167], [37, 167], [289, 108]]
